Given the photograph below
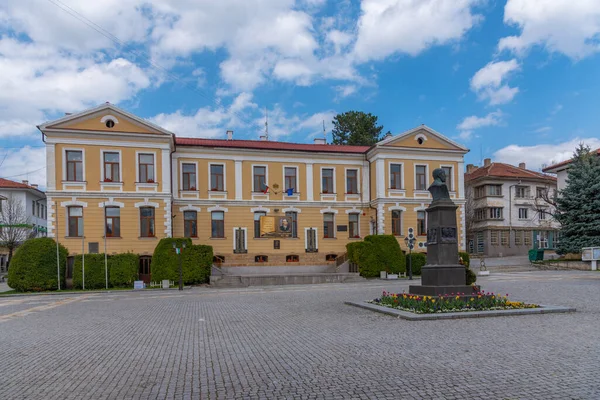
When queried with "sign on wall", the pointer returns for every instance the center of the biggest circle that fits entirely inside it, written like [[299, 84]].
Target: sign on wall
[[271, 226]]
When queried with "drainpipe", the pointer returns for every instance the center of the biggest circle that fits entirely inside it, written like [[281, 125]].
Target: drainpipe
[[370, 206]]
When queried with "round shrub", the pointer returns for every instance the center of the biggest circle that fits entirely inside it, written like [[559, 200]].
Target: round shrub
[[122, 269], [470, 276], [418, 261], [196, 261], [388, 252], [33, 267], [94, 272]]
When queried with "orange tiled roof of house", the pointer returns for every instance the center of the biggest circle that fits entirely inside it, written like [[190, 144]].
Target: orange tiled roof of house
[[270, 145], [501, 170], [8, 184], [566, 162]]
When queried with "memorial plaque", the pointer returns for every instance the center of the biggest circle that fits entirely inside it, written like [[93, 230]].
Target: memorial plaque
[[276, 244], [271, 226]]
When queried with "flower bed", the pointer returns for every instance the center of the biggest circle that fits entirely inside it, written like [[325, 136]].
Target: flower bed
[[449, 303]]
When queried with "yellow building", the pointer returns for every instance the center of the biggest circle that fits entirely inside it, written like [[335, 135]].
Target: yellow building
[[110, 172]]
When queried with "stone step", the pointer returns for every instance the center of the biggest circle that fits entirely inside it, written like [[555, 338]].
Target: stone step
[[279, 279]]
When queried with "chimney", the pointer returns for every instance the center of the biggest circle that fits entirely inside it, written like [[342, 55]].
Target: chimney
[[320, 141], [34, 185], [25, 182], [229, 135], [522, 165], [471, 168], [263, 137], [487, 162]]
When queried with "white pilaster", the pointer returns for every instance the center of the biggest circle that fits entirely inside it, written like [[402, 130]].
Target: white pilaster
[[238, 180], [166, 171], [309, 182], [461, 180], [365, 183], [174, 175], [380, 219], [380, 174], [50, 166]]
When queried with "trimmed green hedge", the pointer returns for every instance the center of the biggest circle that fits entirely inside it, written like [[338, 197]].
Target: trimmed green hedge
[[196, 261], [470, 276], [418, 261], [33, 267], [94, 272], [123, 269], [377, 253]]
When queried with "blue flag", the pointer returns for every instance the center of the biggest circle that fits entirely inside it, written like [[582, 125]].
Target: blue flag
[[290, 191]]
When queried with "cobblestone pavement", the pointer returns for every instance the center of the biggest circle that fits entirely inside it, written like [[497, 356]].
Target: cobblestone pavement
[[299, 342]]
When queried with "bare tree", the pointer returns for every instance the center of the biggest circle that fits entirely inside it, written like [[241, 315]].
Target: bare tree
[[15, 226]]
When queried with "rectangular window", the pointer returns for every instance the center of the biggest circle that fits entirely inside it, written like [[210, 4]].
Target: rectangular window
[[448, 171], [421, 177], [74, 166], [396, 176], [521, 192], [352, 181], [217, 225], [147, 222], [494, 190], [146, 168], [421, 223], [495, 213], [33, 207], [522, 213], [189, 176], [540, 192], [504, 238], [112, 220], [527, 238], [75, 216], [190, 224], [353, 226], [542, 239], [327, 180], [542, 215], [39, 213], [217, 178], [518, 238], [111, 167], [494, 238], [257, 216], [293, 215], [479, 192], [328, 225], [290, 179], [259, 178], [396, 222]]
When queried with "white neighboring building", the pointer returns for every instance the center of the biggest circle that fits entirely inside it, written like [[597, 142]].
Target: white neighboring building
[[508, 211], [560, 170], [33, 201]]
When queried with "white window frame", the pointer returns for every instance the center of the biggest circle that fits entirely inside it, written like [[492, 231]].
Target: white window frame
[[64, 164], [402, 181], [181, 162], [296, 191], [426, 177], [266, 177], [334, 180], [402, 212], [357, 169], [351, 212], [102, 151], [452, 183], [526, 213], [224, 177], [137, 167]]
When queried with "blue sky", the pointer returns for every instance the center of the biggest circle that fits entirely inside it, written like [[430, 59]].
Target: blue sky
[[514, 80]]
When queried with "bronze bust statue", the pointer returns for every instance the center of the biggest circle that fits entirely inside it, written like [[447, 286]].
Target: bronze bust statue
[[439, 189]]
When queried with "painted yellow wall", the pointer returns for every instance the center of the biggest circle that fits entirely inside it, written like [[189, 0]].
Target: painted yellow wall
[[93, 215], [431, 142], [93, 122], [409, 172]]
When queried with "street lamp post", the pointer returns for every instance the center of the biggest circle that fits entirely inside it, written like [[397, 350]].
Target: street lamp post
[[178, 250], [410, 243]]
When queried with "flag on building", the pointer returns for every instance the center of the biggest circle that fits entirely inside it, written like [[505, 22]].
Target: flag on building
[[290, 191], [266, 189]]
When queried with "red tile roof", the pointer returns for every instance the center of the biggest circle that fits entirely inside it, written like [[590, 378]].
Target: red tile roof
[[269, 145], [566, 162], [8, 184], [501, 170]]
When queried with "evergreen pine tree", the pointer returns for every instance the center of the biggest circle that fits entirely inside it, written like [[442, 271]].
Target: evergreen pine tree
[[578, 205]]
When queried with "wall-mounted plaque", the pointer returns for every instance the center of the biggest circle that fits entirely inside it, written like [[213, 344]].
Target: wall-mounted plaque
[[342, 228], [276, 244], [275, 226]]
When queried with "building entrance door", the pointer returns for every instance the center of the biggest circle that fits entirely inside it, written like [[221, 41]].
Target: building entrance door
[[145, 269]]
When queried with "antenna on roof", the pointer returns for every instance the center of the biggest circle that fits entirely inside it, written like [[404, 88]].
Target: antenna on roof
[[266, 124], [324, 133]]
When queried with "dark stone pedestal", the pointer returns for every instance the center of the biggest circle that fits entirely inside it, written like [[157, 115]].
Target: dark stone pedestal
[[442, 274]]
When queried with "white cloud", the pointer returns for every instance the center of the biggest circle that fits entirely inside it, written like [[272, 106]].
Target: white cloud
[[564, 26], [346, 90], [387, 27], [281, 125], [38, 79], [542, 154], [489, 84], [543, 129], [26, 163], [474, 122]]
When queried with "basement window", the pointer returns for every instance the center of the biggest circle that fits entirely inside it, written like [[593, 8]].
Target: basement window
[[330, 257], [261, 259], [292, 258]]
